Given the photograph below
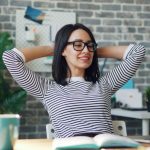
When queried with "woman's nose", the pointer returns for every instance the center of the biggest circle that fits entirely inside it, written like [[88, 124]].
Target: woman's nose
[[85, 49]]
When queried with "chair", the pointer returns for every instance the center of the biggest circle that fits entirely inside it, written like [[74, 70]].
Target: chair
[[118, 126], [49, 131]]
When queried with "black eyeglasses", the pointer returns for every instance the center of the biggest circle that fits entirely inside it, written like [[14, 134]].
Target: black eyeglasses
[[79, 45]]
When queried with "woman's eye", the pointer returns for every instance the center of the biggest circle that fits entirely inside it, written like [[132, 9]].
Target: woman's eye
[[90, 45], [78, 45]]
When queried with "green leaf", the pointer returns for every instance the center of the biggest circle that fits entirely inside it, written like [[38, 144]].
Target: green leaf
[[14, 102], [10, 101], [6, 43], [147, 93], [4, 88]]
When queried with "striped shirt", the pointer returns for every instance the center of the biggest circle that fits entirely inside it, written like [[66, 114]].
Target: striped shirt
[[81, 106]]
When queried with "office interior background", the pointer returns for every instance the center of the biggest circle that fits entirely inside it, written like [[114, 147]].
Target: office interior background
[[113, 22]]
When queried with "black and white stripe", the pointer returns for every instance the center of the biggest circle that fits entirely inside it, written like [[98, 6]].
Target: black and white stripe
[[80, 107]]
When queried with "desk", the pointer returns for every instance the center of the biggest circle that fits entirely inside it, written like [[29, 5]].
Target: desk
[[33, 144], [143, 115], [45, 144]]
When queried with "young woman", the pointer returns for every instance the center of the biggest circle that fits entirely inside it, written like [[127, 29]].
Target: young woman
[[78, 100]]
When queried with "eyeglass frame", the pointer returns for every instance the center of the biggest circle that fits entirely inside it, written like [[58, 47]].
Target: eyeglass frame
[[85, 44]]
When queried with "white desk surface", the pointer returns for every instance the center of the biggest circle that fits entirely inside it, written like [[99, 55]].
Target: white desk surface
[[45, 144], [33, 144], [130, 113]]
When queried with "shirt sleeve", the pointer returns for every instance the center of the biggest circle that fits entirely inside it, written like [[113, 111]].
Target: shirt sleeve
[[132, 59], [28, 80]]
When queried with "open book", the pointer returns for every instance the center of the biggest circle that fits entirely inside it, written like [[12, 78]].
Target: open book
[[95, 143]]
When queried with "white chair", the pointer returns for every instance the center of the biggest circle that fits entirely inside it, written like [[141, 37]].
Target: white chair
[[49, 131], [118, 126]]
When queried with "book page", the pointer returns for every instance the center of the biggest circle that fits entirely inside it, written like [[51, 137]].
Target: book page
[[74, 143], [114, 141]]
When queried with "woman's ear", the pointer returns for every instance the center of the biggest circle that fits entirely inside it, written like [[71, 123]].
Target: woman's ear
[[63, 53]]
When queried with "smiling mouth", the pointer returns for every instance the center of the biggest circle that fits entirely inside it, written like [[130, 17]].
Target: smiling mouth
[[84, 58]]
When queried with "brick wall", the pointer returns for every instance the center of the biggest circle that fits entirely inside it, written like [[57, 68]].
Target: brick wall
[[113, 22]]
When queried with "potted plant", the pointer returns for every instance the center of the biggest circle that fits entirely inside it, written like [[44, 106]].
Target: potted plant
[[147, 94], [5, 43], [11, 100]]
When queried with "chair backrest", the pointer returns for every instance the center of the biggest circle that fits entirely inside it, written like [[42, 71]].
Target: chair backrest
[[49, 131], [118, 126]]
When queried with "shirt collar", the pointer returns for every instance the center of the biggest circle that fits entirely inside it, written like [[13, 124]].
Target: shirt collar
[[81, 79]]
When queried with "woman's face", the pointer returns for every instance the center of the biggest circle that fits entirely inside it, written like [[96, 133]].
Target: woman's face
[[78, 61]]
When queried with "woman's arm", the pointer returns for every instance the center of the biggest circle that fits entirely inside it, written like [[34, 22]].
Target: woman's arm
[[33, 83], [116, 52], [37, 52], [32, 53], [132, 58]]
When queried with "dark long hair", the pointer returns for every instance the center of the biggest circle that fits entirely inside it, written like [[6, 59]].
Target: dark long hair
[[60, 67]]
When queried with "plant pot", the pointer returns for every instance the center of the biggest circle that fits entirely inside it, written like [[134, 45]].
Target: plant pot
[[148, 106]]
